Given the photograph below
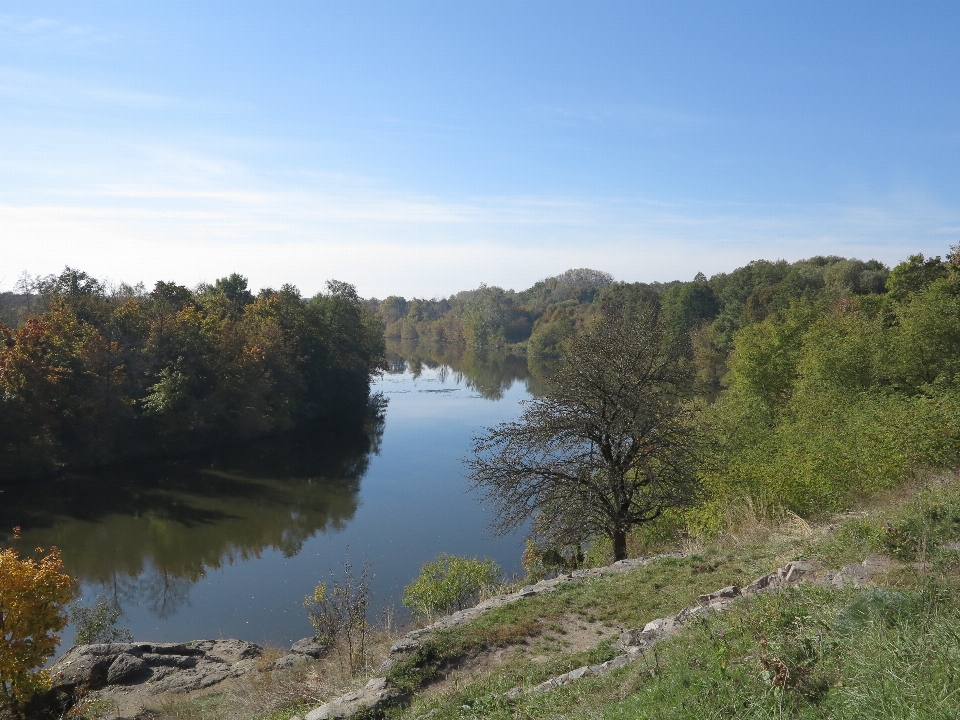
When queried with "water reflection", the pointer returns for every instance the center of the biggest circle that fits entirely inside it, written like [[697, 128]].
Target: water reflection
[[146, 533], [488, 372], [229, 543]]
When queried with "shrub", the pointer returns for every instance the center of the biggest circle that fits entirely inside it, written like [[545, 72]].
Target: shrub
[[33, 599], [338, 613], [98, 623], [449, 583]]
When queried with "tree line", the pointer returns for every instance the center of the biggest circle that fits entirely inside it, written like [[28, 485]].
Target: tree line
[[704, 312], [795, 387], [91, 374]]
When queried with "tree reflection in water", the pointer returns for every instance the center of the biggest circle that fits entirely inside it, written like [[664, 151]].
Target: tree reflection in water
[[488, 372], [146, 533]]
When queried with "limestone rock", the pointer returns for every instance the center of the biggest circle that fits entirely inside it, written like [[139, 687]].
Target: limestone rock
[[766, 582], [124, 667], [233, 651], [153, 668], [309, 646], [288, 661], [405, 645], [660, 627], [731, 591], [793, 571], [373, 695], [81, 666]]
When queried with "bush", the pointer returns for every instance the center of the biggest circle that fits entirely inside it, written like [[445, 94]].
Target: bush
[[338, 613], [33, 600], [449, 583], [98, 623]]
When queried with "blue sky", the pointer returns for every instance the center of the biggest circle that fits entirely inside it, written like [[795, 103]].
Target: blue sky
[[421, 148]]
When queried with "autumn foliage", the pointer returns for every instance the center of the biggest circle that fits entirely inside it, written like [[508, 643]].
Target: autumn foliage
[[34, 595], [93, 374]]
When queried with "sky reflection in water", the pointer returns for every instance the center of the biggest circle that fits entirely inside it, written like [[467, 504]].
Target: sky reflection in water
[[228, 546]]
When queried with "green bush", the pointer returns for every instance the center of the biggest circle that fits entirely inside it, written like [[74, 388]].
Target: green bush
[[98, 623], [449, 583]]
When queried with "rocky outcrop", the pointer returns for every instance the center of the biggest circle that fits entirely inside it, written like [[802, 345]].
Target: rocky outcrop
[[410, 642], [301, 651], [635, 643], [133, 677], [374, 695], [157, 667]]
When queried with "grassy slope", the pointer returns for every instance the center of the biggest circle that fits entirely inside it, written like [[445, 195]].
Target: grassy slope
[[889, 651], [813, 652]]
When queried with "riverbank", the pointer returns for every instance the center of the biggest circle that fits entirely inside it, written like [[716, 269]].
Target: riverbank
[[858, 598]]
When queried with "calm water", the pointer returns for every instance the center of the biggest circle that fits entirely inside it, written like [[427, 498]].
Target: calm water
[[229, 544]]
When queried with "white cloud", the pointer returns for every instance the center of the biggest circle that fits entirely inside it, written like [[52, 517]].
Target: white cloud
[[138, 210], [53, 32], [393, 243]]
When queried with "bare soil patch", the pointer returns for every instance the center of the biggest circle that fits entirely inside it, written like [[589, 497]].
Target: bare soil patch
[[571, 634]]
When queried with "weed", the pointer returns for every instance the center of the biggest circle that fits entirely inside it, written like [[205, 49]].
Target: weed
[[338, 613]]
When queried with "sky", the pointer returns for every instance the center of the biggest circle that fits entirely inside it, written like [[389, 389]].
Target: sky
[[422, 148]]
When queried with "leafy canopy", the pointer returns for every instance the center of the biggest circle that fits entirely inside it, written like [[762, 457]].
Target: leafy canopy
[[33, 608]]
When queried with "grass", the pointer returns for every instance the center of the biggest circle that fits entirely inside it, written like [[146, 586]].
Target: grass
[[810, 652]]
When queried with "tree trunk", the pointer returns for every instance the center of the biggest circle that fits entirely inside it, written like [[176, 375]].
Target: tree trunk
[[620, 545]]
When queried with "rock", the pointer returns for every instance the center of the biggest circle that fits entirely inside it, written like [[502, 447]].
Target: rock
[[854, 575], [763, 583], [580, 672], [288, 661], [731, 591], [309, 646], [194, 679], [404, 646], [174, 661], [233, 651], [793, 571], [124, 667], [631, 638], [659, 628], [181, 648], [376, 693], [146, 669], [81, 666]]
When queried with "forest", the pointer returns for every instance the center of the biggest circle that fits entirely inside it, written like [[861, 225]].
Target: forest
[[817, 381], [92, 374]]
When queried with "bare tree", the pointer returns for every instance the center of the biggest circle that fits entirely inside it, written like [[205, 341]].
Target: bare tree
[[612, 443]]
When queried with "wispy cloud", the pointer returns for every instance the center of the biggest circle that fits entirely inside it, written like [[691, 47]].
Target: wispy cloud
[[401, 243], [51, 30], [143, 210], [42, 89]]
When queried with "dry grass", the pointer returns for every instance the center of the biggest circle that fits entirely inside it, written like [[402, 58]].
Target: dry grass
[[278, 694]]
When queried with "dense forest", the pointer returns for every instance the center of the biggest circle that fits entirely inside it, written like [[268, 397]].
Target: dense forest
[[91, 374], [819, 380]]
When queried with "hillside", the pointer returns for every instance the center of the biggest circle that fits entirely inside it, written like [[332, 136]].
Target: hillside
[[866, 626]]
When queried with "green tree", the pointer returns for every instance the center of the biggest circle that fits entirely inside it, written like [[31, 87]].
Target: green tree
[[609, 446], [914, 274], [688, 305]]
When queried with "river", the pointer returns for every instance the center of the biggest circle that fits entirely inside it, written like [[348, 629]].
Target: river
[[228, 543]]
